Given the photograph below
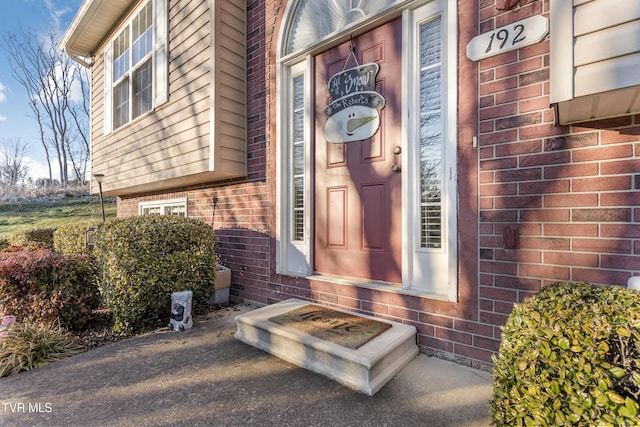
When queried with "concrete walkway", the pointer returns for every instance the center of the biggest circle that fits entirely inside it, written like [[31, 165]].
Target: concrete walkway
[[204, 377]]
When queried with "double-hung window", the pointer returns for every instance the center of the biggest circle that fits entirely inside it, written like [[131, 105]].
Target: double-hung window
[[135, 66], [132, 68]]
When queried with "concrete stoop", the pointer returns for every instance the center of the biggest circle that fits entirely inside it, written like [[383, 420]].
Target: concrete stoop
[[365, 369]]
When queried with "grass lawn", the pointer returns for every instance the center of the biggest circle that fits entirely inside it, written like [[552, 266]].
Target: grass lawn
[[51, 213]]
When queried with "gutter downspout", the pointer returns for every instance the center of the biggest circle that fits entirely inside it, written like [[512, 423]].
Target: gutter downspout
[[85, 62]]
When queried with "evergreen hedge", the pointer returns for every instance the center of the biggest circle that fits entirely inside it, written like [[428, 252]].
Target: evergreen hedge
[[34, 238], [570, 356], [146, 258], [70, 239]]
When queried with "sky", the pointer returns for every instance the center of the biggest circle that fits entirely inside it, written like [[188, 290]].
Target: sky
[[15, 15]]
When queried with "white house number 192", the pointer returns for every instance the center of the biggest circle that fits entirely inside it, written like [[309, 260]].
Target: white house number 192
[[503, 36], [509, 37]]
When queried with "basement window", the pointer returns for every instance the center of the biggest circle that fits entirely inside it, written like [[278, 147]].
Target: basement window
[[177, 207]]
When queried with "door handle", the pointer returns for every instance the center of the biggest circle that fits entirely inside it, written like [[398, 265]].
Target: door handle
[[396, 168]]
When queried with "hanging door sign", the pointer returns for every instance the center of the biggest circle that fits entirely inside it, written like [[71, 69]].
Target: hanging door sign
[[354, 113]]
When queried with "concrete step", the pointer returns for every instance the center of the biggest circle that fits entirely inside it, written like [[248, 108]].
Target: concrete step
[[365, 369]]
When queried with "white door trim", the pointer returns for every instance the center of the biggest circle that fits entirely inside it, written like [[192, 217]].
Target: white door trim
[[429, 271]]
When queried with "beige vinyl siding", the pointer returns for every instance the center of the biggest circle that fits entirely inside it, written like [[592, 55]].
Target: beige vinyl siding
[[606, 45], [199, 135], [229, 119], [97, 104], [594, 59]]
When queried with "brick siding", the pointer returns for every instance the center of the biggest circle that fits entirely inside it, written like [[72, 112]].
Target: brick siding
[[569, 191]]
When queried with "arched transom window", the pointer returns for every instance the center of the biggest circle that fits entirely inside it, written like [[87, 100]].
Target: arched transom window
[[313, 20]]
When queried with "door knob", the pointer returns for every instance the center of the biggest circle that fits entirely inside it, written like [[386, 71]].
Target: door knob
[[396, 168]]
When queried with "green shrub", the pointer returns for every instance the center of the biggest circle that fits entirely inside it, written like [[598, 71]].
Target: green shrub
[[71, 239], [144, 259], [4, 243], [28, 346], [34, 238], [44, 286], [570, 355]]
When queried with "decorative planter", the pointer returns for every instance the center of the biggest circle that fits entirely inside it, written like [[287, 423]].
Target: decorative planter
[[221, 287]]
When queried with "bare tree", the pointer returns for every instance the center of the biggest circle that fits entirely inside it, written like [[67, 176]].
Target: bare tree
[[13, 169], [79, 112], [49, 77]]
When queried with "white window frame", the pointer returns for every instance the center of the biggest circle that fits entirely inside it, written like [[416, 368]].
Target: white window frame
[[163, 205], [294, 256], [419, 274], [159, 65]]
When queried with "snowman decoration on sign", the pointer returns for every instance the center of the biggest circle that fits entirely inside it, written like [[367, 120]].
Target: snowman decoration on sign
[[354, 113]]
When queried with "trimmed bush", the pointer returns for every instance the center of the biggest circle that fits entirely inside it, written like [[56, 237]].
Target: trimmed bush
[[34, 238], [13, 248], [570, 356], [44, 286], [70, 239], [146, 258]]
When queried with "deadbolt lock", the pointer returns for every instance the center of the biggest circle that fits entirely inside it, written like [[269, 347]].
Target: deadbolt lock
[[397, 149]]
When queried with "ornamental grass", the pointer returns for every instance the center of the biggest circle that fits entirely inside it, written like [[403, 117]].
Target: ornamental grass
[[27, 346]]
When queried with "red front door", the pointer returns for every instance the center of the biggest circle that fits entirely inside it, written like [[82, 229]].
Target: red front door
[[358, 184]]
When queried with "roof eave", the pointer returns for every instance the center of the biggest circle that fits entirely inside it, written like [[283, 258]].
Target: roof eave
[[99, 15]]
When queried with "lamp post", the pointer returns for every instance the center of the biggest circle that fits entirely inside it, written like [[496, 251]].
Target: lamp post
[[99, 177]]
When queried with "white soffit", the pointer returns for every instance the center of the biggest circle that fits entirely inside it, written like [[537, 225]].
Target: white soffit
[[600, 106], [93, 21]]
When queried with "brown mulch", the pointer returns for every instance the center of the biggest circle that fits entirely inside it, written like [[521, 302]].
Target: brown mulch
[[99, 330]]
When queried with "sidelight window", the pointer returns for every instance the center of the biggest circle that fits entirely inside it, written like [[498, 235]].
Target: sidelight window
[[298, 168], [431, 136]]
